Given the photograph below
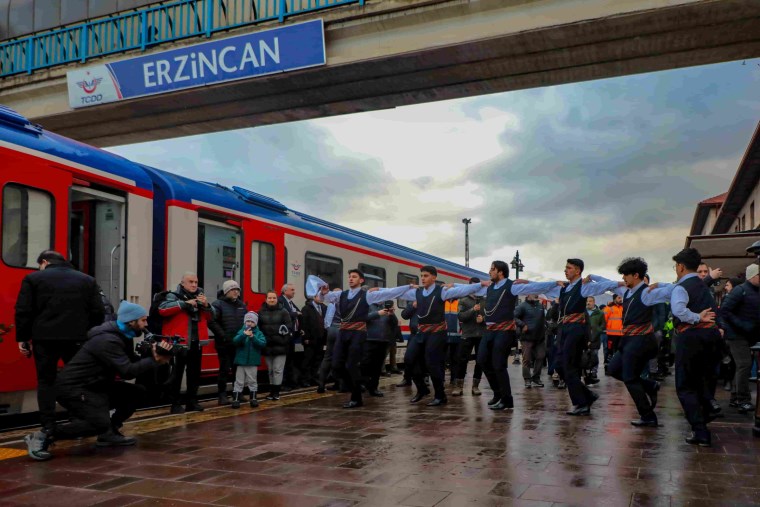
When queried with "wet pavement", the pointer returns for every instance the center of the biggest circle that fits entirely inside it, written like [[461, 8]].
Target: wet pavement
[[311, 452]]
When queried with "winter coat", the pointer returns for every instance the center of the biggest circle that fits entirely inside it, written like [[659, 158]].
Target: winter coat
[[381, 328], [271, 319], [228, 317], [410, 313], [739, 313], [106, 354], [314, 325], [468, 316], [183, 319], [58, 303], [531, 314], [597, 325], [248, 348]]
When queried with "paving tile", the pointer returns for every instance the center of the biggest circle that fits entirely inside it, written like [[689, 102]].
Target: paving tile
[[425, 498]]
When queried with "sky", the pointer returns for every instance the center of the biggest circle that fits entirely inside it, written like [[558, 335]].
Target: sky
[[599, 170]]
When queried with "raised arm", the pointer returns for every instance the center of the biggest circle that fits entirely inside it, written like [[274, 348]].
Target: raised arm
[[462, 290], [599, 285], [656, 294], [550, 289], [380, 295]]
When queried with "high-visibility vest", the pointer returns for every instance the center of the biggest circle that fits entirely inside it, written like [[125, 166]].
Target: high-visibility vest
[[613, 316]]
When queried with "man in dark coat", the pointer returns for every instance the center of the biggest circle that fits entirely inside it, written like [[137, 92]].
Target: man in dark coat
[[293, 362], [381, 323], [227, 320], [88, 389], [314, 338], [54, 309], [530, 320]]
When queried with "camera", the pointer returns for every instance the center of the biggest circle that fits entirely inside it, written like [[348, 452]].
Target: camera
[[145, 347], [388, 305]]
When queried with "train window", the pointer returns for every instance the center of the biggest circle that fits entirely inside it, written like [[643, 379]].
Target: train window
[[329, 269], [373, 275], [27, 225], [262, 267], [405, 279]]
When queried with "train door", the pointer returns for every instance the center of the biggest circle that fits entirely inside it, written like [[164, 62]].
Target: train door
[[97, 225], [34, 202], [219, 259], [264, 255]]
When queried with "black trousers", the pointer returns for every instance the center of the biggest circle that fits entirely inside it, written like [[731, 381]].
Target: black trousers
[[312, 359], [190, 361], [47, 353], [573, 338], [226, 354], [347, 360], [374, 360], [466, 346], [493, 358], [632, 356], [89, 410], [696, 356], [327, 360], [428, 350]]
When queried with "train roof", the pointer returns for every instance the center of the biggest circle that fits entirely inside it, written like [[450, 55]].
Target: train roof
[[17, 130], [239, 199]]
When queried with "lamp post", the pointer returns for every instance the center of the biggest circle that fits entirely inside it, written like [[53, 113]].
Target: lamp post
[[517, 264], [466, 222]]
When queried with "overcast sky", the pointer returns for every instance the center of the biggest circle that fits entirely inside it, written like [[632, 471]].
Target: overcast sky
[[598, 170]]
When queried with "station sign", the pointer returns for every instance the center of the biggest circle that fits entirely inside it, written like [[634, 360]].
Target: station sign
[[256, 54]]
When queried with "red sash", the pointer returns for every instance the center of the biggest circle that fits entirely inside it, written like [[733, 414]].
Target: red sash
[[638, 329], [353, 326], [433, 328], [507, 325], [573, 317], [683, 326]]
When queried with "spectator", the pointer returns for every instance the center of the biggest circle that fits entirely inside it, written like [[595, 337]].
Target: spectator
[[613, 323], [186, 313], [739, 317], [392, 368], [552, 322], [275, 323], [409, 313], [292, 372], [314, 339], [472, 321], [229, 311], [597, 325], [88, 389], [381, 324], [55, 308], [248, 342], [332, 325], [531, 323]]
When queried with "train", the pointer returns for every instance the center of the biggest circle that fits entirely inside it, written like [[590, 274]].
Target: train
[[138, 229]]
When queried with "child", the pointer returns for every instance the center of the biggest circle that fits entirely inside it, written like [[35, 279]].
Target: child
[[249, 342]]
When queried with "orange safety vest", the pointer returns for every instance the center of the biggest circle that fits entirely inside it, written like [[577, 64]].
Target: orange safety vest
[[613, 316]]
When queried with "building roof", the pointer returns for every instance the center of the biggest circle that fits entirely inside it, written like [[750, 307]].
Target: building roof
[[714, 201], [703, 212]]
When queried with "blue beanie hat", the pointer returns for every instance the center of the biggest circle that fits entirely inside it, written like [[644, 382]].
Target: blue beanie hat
[[130, 311]]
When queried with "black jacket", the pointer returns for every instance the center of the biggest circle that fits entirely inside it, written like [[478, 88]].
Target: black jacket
[[314, 325], [739, 314], [531, 314], [295, 320], [57, 303], [467, 316], [381, 328], [227, 320], [410, 313], [106, 354], [270, 321]]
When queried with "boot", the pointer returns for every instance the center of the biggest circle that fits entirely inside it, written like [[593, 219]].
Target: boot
[[114, 438], [223, 398], [458, 388], [235, 400], [475, 384], [254, 401]]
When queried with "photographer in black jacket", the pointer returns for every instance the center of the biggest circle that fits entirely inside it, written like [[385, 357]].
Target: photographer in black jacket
[[88, 389]]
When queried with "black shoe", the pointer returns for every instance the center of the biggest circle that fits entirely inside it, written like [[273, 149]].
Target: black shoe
[[561, 385], [286, 389], [438, 402], [236, 400], [274, 393], [653, 395], [745, 407], [254, 402], [715, 407], [528, 384], [177, 409], [376, 393], [114, 438], [496, 399], [193, 406], [645, 423], [500, 406], [333, 387], [223, 399], [700, 440], [537, 383], [579, 411], [404, 383], [353, 404], [417, 397], [321, 389], [594, 398], [591, 381]]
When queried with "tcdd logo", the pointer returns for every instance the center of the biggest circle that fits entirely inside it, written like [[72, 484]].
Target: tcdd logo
[[89, 88], [296, 267]]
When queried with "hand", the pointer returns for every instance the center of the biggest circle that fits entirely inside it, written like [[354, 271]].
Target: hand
[[721, 332], [621, 283], [479, 319], [716, 273], [248, 332], [192, 302], [560, 283], [707, 315], [162, 358], [414, 305], [476, 307], [653, 286], [25, 348], [413, 286], [485, 283], [202, 300], [374, 289], [384, 312], [525, 329], [587, 279]]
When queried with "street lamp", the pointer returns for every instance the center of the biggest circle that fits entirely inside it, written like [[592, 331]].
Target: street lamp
[[466, 222], [517, 264]]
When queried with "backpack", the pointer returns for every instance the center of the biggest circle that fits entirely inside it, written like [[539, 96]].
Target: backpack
[[155, 321]]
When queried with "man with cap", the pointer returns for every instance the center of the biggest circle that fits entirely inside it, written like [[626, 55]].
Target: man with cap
[[87, 387], [227, 320]]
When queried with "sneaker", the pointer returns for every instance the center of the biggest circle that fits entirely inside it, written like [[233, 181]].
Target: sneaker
[[114, 438], [745, 407], [37, 444], [537, 383]]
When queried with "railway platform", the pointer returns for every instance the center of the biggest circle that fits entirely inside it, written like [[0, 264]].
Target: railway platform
[[307, 451]]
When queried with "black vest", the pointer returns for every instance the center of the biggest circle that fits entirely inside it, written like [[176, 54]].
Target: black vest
[[634, 311], [700, 297], [500, 303], [431, 309], [353, 310], [571, 301]]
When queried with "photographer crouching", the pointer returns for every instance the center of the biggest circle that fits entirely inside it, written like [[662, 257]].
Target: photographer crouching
[[88, 389]]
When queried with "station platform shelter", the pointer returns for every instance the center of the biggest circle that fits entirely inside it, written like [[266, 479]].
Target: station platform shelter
[[305, 450]]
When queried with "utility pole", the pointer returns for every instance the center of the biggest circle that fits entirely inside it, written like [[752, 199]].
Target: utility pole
[[466, 222]]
